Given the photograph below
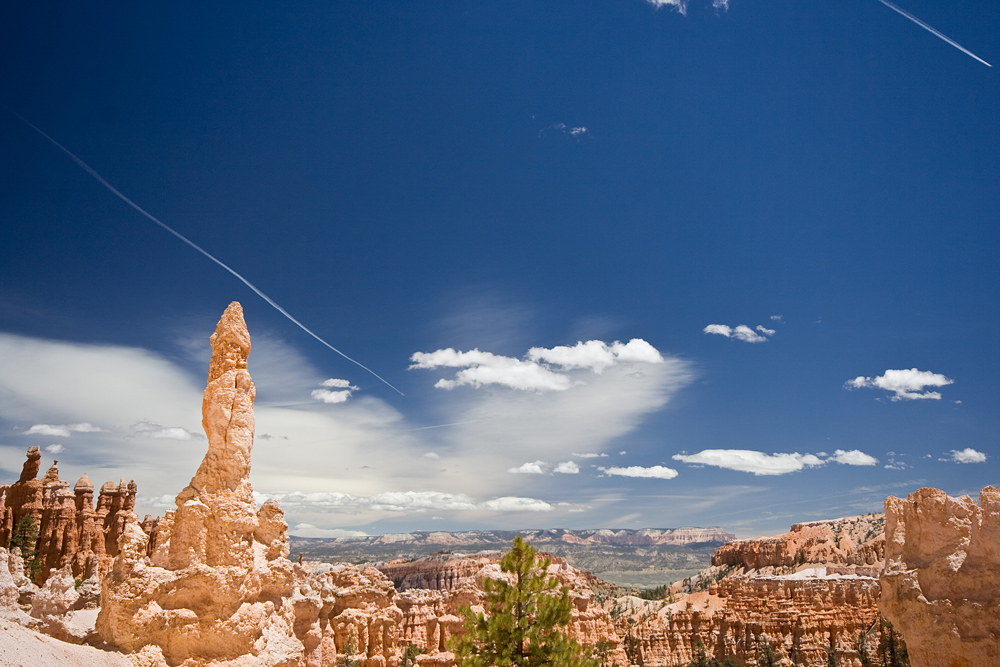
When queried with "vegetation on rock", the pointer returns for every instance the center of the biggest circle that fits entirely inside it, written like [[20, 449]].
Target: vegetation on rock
[[524, 620]]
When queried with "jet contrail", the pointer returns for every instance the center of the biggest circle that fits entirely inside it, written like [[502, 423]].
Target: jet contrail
[[194, 245], [933, 31]]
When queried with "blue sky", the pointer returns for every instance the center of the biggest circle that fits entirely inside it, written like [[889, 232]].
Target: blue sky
[[511, 178]]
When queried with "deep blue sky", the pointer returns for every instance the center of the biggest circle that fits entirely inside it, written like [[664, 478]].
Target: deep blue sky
[[411, 177]]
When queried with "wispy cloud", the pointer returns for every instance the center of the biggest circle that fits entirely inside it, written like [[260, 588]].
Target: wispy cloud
[[309, 530], [543, 370], [589, 455], [400, 501], [656, 472], [745, 460], [562, 128], [967, 455], [148, 429], [62, 430], [905, 384], [55, 448], [682, 5], [740, 332]]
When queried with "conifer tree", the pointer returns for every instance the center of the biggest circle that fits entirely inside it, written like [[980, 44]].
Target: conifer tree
[[524, 623]]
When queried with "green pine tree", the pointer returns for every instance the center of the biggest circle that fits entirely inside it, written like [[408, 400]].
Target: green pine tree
[[25, 537], [524, 623]]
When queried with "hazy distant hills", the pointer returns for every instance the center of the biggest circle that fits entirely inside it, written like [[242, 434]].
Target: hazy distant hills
[[644, 557]]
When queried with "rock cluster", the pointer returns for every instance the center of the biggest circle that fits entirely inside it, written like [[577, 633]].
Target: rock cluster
[[71, 530], [941, 583], [433, 588], [796, 595]]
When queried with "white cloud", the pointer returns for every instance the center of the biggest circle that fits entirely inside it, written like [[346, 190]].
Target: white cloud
[[777, 318], [967, 455], [434, 456], [149, 429], [309, 530], [530, 468], [62, 430], [55, 448], [516, 504], [327, 396], [657, 472], [567, 468], [754, 462], [853, 457], [486, 368], [334, 383], [536, 373], [400, 501], [596, 356], [589, 455], [904, 384], [334, 391], [679, 5], [741, 332]]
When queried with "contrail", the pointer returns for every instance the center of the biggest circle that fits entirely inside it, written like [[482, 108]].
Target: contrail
[[933, 31], [86, 167]]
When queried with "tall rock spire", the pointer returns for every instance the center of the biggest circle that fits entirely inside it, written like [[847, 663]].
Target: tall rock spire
[[219, 581]]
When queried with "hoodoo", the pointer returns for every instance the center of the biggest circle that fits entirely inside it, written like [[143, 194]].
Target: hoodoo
[[219, 585]]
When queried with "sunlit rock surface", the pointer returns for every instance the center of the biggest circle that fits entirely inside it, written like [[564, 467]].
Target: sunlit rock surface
[[71, 530], [219, 585], [795, 594], [941, 584]]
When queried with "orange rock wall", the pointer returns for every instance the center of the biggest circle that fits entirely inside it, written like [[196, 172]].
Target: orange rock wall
[[941, 584]]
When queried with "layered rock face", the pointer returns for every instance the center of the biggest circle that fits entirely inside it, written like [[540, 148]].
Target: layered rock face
[[71, 529], [796, 595], [941, 583], [851, 541]]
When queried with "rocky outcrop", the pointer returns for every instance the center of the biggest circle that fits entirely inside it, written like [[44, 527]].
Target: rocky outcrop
[[795, 595], [941, 583], [70, 529], [851, 541]]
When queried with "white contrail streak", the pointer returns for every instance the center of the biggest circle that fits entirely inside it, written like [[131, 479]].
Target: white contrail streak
[[194, 245], [933, 31]]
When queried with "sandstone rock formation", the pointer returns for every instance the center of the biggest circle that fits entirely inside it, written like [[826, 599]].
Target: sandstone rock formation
[[219, 585], [941, 583], [795, 594], [70, 528], [433, 588], [851, 541]]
